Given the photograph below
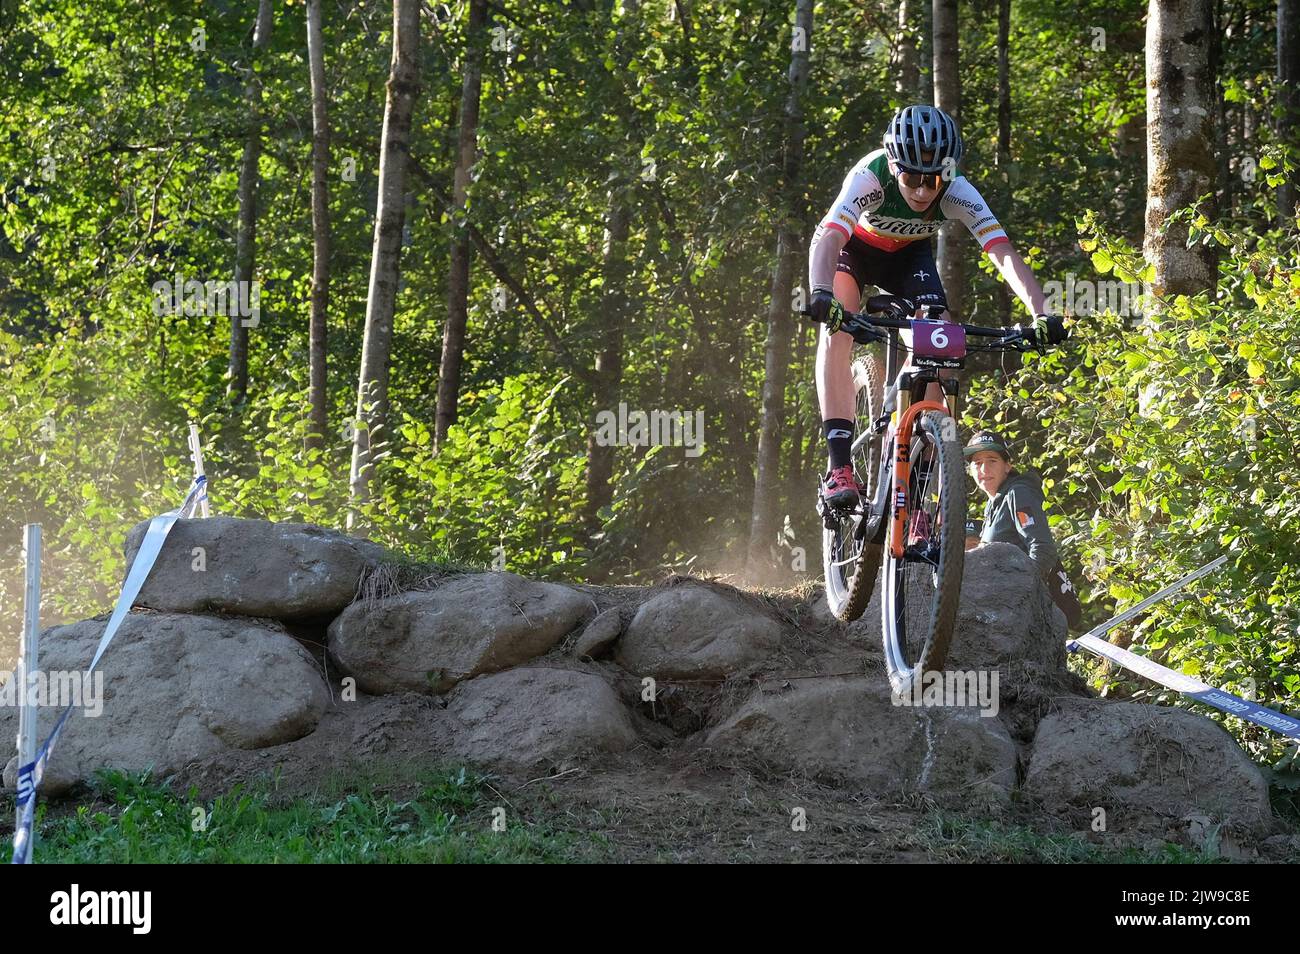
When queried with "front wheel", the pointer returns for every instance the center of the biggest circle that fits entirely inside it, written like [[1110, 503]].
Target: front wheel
[[921, 590]]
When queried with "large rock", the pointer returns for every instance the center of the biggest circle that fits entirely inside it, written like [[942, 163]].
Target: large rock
[[253, 568], [599, 635], [531, 715], [175, 689], [1005, 615], [428, 641], [849, 729], [691, 631], [1138, 761]]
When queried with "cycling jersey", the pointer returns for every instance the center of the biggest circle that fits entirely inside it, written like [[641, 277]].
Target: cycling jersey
[[871, 207]]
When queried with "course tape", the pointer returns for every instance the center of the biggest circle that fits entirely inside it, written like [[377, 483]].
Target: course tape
[[30, 775], [1234, 705]]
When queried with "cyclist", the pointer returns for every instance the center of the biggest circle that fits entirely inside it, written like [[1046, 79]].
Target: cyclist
[[878, 232]]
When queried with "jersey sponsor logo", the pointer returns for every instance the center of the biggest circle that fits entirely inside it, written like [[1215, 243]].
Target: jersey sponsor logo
[[874, 197], [987, 218], [967, 203], [1024, 518], [900, 227], [989, 228]]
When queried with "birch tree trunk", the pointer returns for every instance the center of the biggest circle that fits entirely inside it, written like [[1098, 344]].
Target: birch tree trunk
[[320, 229], [947, 96], [246, 234], [453, 336], [372, 388], [763, 516]]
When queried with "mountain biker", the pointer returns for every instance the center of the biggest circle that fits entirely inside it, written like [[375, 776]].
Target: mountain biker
[[878, 232]]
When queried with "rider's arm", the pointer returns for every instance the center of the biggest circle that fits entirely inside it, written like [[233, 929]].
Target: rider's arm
[[861, 192], [823, 253], [1019, 276], [963, 202]]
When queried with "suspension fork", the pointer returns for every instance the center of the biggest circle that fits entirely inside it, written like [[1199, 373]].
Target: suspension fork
[[903, 467]]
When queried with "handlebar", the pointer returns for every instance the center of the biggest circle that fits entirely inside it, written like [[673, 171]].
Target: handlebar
[[891, 311]]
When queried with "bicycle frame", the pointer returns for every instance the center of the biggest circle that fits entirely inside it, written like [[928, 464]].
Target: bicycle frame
[[899, 431]]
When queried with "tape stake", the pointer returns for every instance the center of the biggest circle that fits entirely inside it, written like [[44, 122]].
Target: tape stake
[[30, 775]]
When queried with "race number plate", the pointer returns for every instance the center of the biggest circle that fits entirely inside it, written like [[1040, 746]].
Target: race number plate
[[938, 344]]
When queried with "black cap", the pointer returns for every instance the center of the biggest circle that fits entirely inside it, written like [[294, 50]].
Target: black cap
[[987, 441]]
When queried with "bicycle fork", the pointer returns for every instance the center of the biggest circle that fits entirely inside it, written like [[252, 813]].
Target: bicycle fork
[[903, 472]]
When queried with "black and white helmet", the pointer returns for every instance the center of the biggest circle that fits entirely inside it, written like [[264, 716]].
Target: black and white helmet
[[918, 129]]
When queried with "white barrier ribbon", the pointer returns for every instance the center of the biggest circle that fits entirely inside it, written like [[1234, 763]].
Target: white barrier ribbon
[[30, 775]]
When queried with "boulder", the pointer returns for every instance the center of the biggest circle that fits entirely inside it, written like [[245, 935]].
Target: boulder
[[253, 568], [1139, 761], [1005, 615], [692, 631], [849, 729], [599, 635], [175, 688], [533, 715], [428, 641]]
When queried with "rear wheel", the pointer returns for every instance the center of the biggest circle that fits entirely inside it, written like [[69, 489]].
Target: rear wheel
[[919, 602], [850, 561]]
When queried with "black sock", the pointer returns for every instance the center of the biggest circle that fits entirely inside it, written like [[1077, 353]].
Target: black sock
[[839, 435]]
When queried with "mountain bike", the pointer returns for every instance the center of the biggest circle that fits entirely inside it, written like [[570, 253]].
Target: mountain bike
[[906, 457]]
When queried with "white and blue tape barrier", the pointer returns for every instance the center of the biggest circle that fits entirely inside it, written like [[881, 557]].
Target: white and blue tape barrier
[[1193, 688], [30, 775]]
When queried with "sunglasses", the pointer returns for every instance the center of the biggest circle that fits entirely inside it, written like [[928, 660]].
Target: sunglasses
[[917, 180]]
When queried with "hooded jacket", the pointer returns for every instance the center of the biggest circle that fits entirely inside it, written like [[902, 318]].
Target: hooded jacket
[[1015, 515]]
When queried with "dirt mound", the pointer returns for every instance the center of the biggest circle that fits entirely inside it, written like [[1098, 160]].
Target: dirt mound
[[533, 677]]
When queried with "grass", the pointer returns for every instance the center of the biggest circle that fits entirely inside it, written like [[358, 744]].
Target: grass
[[450, 818], [950, 838], [407, 815]]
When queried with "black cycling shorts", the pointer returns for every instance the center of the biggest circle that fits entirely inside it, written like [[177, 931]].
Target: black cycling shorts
[[910, 272]]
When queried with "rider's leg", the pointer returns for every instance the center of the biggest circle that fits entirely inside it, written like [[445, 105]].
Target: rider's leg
[[835, 394], [835, 391]]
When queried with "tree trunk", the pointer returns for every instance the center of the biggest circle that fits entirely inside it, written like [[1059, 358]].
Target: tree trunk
[[794, 451], [1180, 132], [320, 229], [1004, 136], [906, 68], [246, 234], [372, 388], [947, 96], [1221, 33], [609, 359], [1288, 86], [615, 307], [767, 484], [453, 337]]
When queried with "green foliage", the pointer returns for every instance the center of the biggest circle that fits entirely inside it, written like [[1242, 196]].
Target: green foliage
[[1165, 441], [473, 497]]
